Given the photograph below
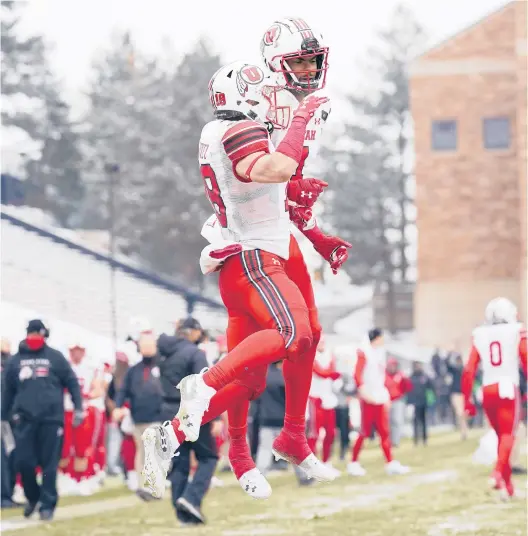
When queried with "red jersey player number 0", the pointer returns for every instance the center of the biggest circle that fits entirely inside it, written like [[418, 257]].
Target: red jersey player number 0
[[212, 191], [495, 353]]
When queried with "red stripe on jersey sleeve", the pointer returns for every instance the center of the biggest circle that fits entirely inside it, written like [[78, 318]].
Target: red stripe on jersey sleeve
[[245, 138]]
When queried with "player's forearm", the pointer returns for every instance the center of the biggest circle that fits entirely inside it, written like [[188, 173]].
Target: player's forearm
[[282, 164], [273, 168]]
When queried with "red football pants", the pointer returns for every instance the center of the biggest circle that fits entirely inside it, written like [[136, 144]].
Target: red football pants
[[275, 286], [78, 442], [373, 415], [247, 273], [321, 419], [503, 415], [100, 441], [128, 452]]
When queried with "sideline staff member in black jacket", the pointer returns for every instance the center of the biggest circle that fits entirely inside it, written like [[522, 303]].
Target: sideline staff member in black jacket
[[180, 356], [33, 397]]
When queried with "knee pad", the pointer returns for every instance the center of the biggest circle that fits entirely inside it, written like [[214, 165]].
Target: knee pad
[[301, 344]]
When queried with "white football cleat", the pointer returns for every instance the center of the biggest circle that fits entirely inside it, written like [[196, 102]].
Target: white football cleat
[[132, 481], [254, 483], [396, 468], [355, 469], [330, 467], [195, 398], [160, 444], [311, 466]]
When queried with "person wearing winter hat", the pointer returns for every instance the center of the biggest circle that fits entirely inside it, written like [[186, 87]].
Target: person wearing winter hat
[[33, 398]]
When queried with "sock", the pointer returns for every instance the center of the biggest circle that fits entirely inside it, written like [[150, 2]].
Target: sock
[[292, 439], [239, 454], [295, 424], [230, 395], [298, 380], [356, 449], [261, 348]]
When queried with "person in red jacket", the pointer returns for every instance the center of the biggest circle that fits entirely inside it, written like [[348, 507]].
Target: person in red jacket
[[499, 346], [398, 386], [370, 377]]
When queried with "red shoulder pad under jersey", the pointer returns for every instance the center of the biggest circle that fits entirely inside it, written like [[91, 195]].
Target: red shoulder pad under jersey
[[245, 138]]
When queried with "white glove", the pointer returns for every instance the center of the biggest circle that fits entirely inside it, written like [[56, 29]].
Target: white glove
[[127, 424]]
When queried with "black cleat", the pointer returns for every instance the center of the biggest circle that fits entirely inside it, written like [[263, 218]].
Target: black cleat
[[184, 505], [46, 515], [29, 509]]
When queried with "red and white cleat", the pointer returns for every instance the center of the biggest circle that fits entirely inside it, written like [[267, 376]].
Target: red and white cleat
[[195, 398], [295, 450]]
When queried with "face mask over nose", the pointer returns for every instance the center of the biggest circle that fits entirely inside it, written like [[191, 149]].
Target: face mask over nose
[[35, 342]]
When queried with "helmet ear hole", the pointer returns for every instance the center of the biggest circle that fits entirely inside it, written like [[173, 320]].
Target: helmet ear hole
[[229, 74]]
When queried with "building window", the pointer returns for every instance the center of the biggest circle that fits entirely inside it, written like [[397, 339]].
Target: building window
[[496, 132], [444, 135]]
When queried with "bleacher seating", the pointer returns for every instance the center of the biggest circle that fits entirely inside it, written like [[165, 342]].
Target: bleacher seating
[[45, 272]]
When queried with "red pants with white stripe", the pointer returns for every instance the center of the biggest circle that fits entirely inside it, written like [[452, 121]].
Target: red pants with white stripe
[[373, 415], [79, 443], [503, 415], [259, 294], [321, 419]]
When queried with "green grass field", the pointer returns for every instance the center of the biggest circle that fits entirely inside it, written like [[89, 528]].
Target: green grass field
[[445, 495]]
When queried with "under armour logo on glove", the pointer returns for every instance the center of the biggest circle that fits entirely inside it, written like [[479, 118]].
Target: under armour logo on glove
[[304, 192]]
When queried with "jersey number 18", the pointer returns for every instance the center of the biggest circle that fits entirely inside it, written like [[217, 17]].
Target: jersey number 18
[[212, 191]]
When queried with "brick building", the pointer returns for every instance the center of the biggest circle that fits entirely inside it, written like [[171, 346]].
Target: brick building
[[468, 101]]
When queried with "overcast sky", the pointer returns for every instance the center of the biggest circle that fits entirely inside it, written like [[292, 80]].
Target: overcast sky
[[79, 28]]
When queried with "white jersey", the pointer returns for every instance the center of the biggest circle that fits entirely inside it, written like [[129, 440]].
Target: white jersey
[[307, 166], [498, 348], [86, 373], [374, 374], [322, 388], [251, 214]]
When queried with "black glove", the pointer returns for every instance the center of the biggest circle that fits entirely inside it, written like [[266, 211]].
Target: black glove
[[78, 418]]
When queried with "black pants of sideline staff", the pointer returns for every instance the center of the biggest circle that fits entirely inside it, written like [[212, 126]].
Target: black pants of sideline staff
[[207, 457], [8, 476], [39, 444], [420, 424]]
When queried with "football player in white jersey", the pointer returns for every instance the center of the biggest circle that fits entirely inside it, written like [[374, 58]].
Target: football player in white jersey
[[498, 345], [323, 401], [77, 459], [370, 377], [247, 184]]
